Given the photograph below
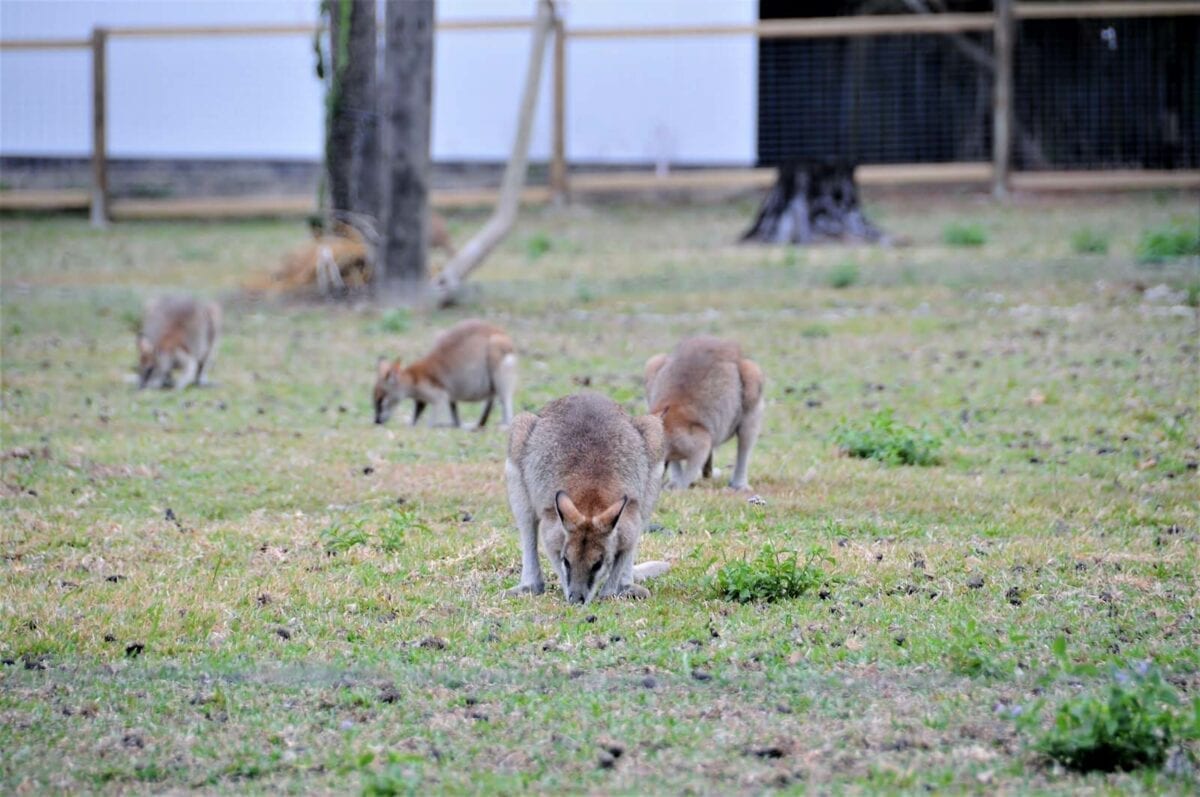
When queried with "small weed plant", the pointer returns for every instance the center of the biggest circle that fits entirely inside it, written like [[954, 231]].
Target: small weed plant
[[1088, 241], [973, 652], [393, 532], [964, 235], [1160, 244], [771, 575], [843, 275], [881, 437], [399, 775], [537, 245], [813, 331], [341, 537], [395, 321], [1132, 724]]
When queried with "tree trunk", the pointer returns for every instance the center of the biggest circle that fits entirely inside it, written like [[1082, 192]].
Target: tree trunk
[[361, 109], [337, 126], [406, 89], [813, 203]]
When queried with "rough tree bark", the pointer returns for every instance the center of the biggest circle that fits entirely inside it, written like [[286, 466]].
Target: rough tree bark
[[406, 89], [353, 152], [360, 110], [813, 203]]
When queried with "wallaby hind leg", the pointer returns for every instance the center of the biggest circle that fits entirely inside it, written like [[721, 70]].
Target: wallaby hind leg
[[188, 376], [747, 435], [532, 581], [699, 446], [487, 410], [505, 381], [752, 410], [205, 367]]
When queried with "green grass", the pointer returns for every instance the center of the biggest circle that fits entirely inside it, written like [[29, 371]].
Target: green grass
[[843, 275], [395, 322], [322, 610], [964, 234], [537, 245], [1088, 241], [1167, 242]]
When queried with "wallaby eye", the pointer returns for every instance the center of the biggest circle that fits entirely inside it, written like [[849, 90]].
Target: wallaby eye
[[566, 565], [596, 567]]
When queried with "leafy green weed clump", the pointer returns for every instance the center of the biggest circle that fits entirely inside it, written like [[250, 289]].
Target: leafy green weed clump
[[1160, 244], [1134, 724], [537, 245], [395, 321], [771, 575], [843, 275], [964, 235], [881, 437], [341, 537]]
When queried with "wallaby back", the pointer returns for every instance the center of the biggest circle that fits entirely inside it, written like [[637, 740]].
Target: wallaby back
[[464, 359], [698, 385], [587, 446], [173, 323]]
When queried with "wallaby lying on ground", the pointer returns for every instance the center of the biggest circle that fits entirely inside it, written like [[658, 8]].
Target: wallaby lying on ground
[[177, 332], [584, 476], [339, 259], [471, 361], [705, 392]]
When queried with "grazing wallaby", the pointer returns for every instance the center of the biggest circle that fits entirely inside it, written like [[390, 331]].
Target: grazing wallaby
[[471, 361], [177, 332], [584, 476], [705, 392]]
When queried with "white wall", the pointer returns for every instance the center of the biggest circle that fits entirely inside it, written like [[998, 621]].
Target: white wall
[[675, 100]]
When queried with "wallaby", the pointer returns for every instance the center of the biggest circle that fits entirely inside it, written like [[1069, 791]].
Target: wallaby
[[471, 361], [177, 332], [706, 392], [584, 477]]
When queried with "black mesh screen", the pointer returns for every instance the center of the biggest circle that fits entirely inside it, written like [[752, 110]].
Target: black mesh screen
[[1089, 94], [881, 99], [1121, 93]]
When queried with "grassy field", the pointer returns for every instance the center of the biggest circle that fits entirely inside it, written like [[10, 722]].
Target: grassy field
[[251, 587]]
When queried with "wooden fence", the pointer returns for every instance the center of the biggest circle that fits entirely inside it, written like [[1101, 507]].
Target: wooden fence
[[997, 173]]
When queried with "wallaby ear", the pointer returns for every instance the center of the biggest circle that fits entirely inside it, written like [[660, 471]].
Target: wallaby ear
[[570, 517], [382, 366], [609, 517], [143, 345]]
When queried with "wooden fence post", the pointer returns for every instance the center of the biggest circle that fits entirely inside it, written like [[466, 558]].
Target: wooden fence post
[[99, 202], [1002, 42], [558, 162]]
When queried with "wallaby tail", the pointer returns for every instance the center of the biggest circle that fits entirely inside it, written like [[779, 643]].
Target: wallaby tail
[[650, 569]]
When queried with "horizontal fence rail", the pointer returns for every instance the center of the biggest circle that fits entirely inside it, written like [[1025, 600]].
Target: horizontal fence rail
[[632, 181], [838, 27]]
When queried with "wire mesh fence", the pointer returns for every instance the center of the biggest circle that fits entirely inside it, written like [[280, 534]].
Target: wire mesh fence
[[879, 99], [1107, 93], [1097, 93]]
